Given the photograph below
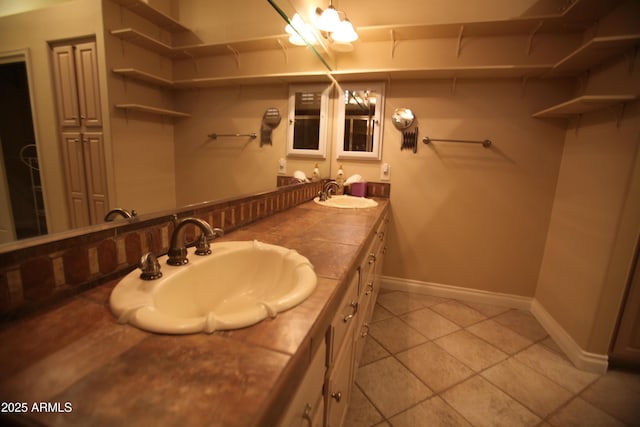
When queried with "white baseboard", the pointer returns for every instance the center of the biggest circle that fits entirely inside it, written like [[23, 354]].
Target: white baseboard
[[592, 362], [582, 359], [457, 292]]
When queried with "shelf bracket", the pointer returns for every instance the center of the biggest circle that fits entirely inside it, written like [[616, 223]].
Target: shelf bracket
[[394, 42], [235, 53], [619, 113], [121, 11], [525, 80], [285, 51], [531, 36], [633, 55], [460, 34]]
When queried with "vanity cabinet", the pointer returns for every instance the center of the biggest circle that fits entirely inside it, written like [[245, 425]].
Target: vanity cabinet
[[349, 329], [335, 363], [340, 355], [371, 272]]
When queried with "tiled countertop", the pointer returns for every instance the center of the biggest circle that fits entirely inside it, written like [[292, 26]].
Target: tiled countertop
[[89, 370]]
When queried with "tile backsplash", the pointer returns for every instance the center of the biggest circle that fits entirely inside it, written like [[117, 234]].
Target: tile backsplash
[[32, 275]]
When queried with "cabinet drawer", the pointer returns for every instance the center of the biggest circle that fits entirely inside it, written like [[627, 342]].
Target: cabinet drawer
[[344, 318]]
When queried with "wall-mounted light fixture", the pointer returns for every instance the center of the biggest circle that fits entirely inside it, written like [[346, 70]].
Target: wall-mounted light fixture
[[330, 24]]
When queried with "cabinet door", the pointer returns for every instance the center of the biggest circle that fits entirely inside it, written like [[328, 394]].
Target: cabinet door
[[96, 176], [64, 75], [344, 318], [73, 156], [339, 386], [88, 85], [305, 408]]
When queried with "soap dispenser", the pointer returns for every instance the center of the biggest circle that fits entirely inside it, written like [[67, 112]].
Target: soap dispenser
[[316, 174], [340, 181]]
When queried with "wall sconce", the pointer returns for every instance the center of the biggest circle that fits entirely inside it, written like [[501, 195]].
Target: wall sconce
[[338, 33]]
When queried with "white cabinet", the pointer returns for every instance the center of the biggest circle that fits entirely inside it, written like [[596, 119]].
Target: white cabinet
[[75, 73], [306, 407], [349, 329], [323, 396]]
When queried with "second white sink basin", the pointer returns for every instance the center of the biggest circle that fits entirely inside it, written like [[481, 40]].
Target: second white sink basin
[[346, 202], [238, 285]]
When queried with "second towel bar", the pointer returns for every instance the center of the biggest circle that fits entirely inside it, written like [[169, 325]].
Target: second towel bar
[[485, 143], [216, 135]]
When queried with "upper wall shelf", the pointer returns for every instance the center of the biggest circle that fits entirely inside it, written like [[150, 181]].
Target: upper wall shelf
[[199, 50], [143, 40], [159, 18], [525, 26], [594, 52], [467, 72], [143, 76], [583, 104], [152, 110]]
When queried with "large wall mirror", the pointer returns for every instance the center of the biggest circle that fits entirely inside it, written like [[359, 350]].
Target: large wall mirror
[[209, 22], [359, 121], [308, 120]]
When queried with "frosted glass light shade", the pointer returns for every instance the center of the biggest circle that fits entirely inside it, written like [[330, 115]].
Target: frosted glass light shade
[[299, 32], [344, 32], [329, 20]]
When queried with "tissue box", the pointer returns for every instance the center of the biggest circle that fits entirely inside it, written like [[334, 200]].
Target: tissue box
[[359, 189]]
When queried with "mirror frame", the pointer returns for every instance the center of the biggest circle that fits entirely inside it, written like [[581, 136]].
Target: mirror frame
[[376, 153], [321, 152]]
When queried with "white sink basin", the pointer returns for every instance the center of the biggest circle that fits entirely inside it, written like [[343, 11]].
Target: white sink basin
[[347, 202], [238, 285]]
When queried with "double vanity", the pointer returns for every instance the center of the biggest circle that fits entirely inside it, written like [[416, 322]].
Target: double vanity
[[294, 366]]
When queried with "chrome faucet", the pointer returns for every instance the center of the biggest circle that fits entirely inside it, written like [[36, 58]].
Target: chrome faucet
[[327, 190], [110, 216], [177, 249]]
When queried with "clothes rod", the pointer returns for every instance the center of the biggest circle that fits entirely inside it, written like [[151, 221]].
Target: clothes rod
[[216, 135], [486, 143]]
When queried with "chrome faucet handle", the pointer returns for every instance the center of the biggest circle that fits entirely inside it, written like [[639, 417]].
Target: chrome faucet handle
[[202, 245], [150, 267]]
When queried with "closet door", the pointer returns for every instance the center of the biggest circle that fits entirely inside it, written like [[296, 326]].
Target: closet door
[[78, 92], [73, 155], [88, 86], [626, 348], [93, 149], [64, 75]]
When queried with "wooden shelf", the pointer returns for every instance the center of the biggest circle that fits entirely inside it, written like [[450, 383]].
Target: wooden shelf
[[151, 110], [583, 104], [206, 82], [250, 45], [525, 25], [478, 72], [199, 50], [133, 36], [594, 52], [143, 76], [157, 17]]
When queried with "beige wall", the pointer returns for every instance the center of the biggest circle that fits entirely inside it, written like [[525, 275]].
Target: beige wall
[[142, 144], [31, 31], [592, 234], [464, 215]]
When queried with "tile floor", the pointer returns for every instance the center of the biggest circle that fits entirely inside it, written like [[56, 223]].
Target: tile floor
[[430, 361]]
